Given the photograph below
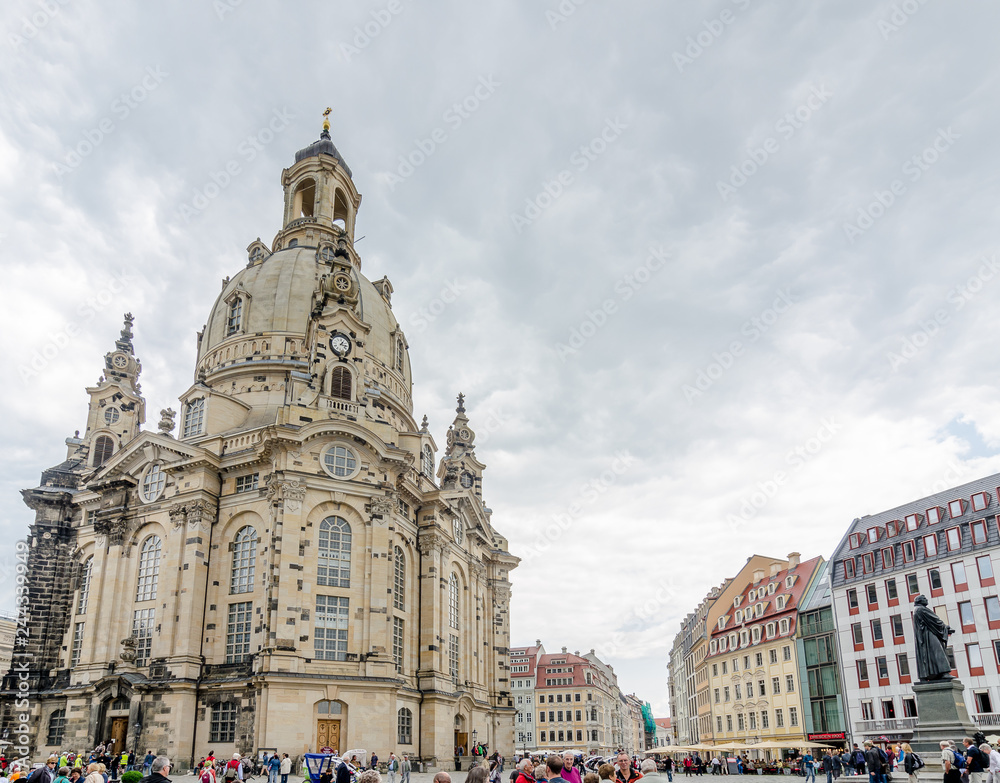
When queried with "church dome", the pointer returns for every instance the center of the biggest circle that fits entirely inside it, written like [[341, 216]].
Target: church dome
[[262, 317]]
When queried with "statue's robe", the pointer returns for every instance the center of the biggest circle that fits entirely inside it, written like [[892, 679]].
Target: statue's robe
[[931, 636]]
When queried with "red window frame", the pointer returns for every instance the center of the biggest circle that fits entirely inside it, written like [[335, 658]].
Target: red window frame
[[958, 503], [911, 555], [936, 592], [888, 556], [959, 586], [933, 515], [951, 532], [876, 642], [978, 531], [988, 581], [872, 534], [868, 563], [854, 540], [903, 678], [893, 528], [891, 601], [971, 628], [878, 673], [849, 568], [980, 501], [871, 588], [993, 624], [892, 628], [858, 664], [933, 538], [917, 592], [913, 520], [856, 631], [974, 671]]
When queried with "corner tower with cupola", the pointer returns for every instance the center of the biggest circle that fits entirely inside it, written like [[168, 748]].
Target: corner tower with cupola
[[290, 568]]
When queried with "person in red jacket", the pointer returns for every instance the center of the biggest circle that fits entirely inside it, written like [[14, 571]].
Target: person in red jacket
[[527, 774]]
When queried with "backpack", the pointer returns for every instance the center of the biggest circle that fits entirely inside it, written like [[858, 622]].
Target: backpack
[[859, 757], [918, 763], [959, 760], [230, 772]]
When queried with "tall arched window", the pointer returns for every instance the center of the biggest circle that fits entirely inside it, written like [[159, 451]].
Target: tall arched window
[[334, 553], [404, 726], [85, 574], [427, 462], [235, 318], [194, 418], [244, 555], [57, 727], [340, 385], [399, 579], [453, 601], [149, 569], [399, 354], [104, 447]]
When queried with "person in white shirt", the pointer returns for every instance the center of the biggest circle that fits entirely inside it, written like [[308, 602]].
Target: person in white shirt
[[993, 774]]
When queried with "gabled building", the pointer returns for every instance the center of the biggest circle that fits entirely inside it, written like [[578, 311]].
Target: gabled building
[[754, 668], [946, 547], [523, 675]]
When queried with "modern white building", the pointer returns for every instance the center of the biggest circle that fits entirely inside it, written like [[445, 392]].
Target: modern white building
[[947, 548]]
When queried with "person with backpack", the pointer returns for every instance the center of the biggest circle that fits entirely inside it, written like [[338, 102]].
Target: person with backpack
[[234, 769], [911, 762], [858, 760], [952, 773]]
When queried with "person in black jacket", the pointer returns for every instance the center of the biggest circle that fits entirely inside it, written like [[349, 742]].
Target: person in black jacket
[[343, 773], [158, 771]]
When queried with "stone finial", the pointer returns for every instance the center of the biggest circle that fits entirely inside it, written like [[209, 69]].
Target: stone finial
[[461, 404], [424, 424], [167, 423]]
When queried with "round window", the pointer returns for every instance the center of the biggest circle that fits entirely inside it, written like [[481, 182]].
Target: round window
[[340, 461], [152, 483], [467, 480], [111, 415]]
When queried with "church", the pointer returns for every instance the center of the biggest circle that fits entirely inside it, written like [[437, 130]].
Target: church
[[288, 564]]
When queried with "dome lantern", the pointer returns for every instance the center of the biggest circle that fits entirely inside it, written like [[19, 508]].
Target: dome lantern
[[321, 201]]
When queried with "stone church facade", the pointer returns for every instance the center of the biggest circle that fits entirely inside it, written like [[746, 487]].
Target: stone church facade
[[290, 565]]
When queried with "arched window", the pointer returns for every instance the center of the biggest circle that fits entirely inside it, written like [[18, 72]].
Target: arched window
[[340, 383], [329, 707], [399, 579], [244, 555], [305, 199], [149, 569], [427, 462], [235, 318], [334, 553], [194, 418], [152, 483], [453, 601], [404, 726], [57, 727], [104, 447], [399, 354], [85, 574]]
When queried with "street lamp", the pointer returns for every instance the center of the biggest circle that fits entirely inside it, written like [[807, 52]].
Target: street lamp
[[474, 735]]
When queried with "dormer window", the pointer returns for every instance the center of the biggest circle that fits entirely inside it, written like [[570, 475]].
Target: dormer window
[[752, 595], [912, 521], [892, 528], [738, 616], [854, 541], [933, 515], [849, 568], [771, 588], [234, 321], [737, 600], [980, 501], [722, 622], [956, 508], [872, 535], [790, 580], [723, 644], [194, 418], [755, 634], [784, 626]]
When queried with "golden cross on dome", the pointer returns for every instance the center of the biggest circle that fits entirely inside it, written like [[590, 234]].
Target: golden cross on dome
[[326, 118]]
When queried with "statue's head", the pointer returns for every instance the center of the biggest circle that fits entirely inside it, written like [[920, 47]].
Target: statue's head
[[920, 600]]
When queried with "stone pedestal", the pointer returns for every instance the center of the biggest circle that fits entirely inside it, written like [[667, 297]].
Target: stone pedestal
[[942, 716]]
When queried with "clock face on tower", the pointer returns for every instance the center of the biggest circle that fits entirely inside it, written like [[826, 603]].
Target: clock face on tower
[[120, 360], [340, 344]]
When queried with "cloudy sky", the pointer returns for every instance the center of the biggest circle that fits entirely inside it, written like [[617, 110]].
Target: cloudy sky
[[716, 278]]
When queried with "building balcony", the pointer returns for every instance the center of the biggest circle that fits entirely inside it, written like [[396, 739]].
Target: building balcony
[[986, 718], [887, 724]]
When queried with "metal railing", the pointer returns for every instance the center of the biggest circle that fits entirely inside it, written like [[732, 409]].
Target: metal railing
[[986, 719]]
